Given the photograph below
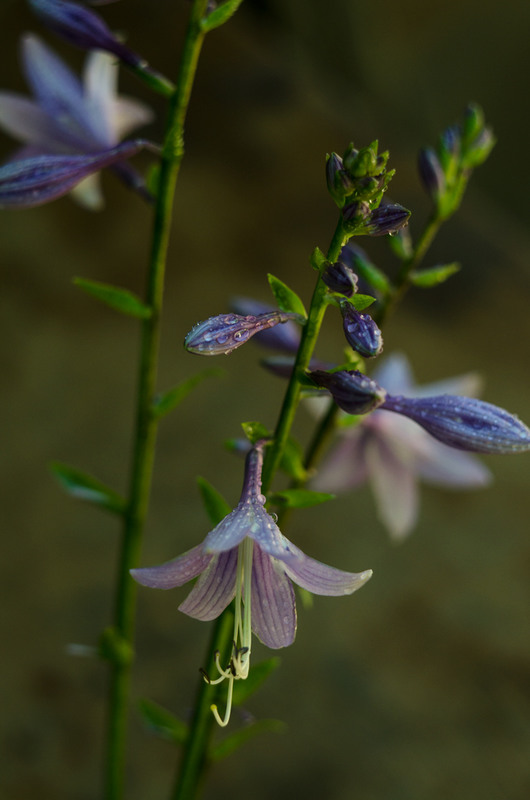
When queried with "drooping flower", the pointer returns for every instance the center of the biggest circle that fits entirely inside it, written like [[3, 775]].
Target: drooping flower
[[72, 117], [247, 557], [393, 453], [223, 333]]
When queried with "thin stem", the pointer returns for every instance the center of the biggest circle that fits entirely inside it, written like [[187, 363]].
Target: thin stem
[[146, 422], [310, 334]]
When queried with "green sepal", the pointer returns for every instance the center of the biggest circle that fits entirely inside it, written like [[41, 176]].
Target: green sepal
[[285, 297], [300, 498], [162, 722], [166, 402], [318, 260], [433, 276], [214, 503], [255, 431], [360, 301], [114, 648], [117, 298], [85, 487], [257, 675], [234, 742], [220, 15]]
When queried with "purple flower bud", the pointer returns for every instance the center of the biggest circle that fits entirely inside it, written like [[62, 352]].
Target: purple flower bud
[[340, 278], [83, 28], [388, 218], [355, 214], [465, 422], [34, 181], [352, 391], [285, 338], [361, 331], [223, 333], [431, 173]]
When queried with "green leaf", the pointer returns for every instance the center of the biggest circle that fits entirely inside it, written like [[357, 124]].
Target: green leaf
[[372, 274], [171, 399], [234, 742], [361, 301], [300, 498], [285, 297], [292, 461], [163, 722], [257, 675], [216, 506], [114, 647], [115, 297], [220, 15], [318, 260], [85, 487], [254, 431], [428, 278]]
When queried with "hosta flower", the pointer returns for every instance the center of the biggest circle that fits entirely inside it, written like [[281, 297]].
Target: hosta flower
[[393, 453], [247, 557], [70, 117]]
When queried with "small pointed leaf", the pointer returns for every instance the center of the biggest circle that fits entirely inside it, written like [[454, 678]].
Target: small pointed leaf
[[360, 301], [300, 498], [220, 15], [254, 431], [318, 259], [214, 503], [428, 278], [85, 487], [163, 722], [285, 297], [115, 297], [171, 399]]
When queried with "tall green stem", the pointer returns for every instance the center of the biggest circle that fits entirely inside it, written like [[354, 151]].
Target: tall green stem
[[146, 423]]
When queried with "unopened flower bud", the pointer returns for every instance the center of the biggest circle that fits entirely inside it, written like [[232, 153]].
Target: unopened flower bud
[[340, 278], [223, 333], [355, 214], [388, 218], [431, 173], [352, 391], [361, 331], [465, 422], [478, 150]]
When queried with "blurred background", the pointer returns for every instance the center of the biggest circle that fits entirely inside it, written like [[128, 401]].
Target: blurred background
[[419, 686]]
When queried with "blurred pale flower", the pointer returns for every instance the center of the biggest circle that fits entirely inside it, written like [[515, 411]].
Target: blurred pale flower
[[247, 557], [70, 117], [393, 453]]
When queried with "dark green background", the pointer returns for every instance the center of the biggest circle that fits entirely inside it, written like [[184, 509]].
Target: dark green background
[[418, 687]]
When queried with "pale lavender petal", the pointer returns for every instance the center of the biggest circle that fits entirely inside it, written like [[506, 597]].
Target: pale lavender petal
[[25, 120], [88, 193], [248, 519], [100, 79], [394, 374], [127, 114], [229, 532], [175, 572], [319, 578], [272, 602], [469, 385], [455, 469], [56, 87], [215, 588], [345, 466], [394, 485]]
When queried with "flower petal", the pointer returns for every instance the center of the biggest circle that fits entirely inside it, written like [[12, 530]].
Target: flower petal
[[175, 572], [394, 485], [319, 578], [215, 588], [272, 602], [100, 78], [56, 87], [455, 469], [345, 466], [88, 193], [25, 120]]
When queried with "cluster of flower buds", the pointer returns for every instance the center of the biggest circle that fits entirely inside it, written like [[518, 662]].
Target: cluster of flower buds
[[357, 182], [464, 423], [445, 170], [221, 334]]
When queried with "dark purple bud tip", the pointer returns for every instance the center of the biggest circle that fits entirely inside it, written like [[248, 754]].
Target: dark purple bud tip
[[222, 334], [340, 278], [361, 331], [83, 28], [465, 423], [431, 173], [388, 218], [352, 391]]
